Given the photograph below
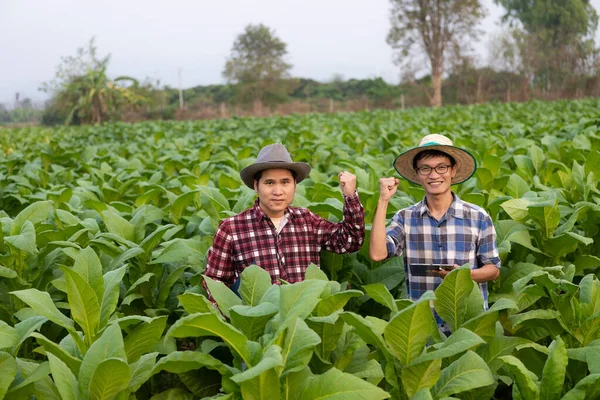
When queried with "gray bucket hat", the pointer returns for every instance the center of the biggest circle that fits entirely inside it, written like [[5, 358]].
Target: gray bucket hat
[[274, 156]]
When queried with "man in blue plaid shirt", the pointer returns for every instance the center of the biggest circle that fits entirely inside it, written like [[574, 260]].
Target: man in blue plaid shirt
[[441, 228]]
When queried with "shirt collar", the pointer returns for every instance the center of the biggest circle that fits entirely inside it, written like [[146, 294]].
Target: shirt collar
[[456, 209]]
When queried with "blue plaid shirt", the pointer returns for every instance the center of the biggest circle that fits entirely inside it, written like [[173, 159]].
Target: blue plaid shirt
[[464, 235]]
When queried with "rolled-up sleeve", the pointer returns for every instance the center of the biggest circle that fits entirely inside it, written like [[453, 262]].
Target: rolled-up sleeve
[[220, 264], [395, 236], [346, 236]]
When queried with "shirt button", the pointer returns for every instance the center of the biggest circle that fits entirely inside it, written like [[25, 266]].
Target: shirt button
[[441, 245]]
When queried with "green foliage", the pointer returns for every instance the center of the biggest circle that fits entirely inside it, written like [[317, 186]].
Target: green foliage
[[433, 28], [83, 93], [557, 41], [257, 64], [104, 233]]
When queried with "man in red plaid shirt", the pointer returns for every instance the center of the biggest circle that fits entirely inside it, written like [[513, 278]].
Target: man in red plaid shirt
[[281, 239]]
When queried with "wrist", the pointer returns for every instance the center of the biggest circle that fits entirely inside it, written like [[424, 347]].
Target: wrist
[[383, 201]]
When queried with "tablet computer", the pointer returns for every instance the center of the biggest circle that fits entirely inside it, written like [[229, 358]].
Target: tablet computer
[[428, 269]]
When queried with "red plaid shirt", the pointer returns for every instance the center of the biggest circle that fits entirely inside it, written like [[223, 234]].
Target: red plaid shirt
[[251, 238]]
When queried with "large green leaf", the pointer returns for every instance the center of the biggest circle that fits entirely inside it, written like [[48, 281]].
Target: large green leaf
[[58, 352], [110, 377], [336, 302], [34, 213], [418, 376], [110, 297], [584, 389], [152, 240], [520, 318], [141, 371], [299, 299], [183, 361], [167, 285], [484, 324], [526, 381], [195, 303], [143, 338], [252, 320], [546, 214], [85, 308], [255, 282], [329, 332], [555, 369], [366, 331], [497, 347], [224, 296], [88, 265], [8, 366], [466, 373], [63, 377], [516, 186], [180, 394], [261, 382], [8, 335], [459, 342], [336, 385], [293, 383], [181, 251], [517, 209], [43, 305], [425, 394], [197, 325], [297, 346], [451, 297], [108, 345], [32, 372], [27, 328], [180, 204], [382, 295], [118, 225], [408, 331], [25, 239]]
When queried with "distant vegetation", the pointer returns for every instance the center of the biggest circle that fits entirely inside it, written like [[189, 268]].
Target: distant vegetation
[[547, 51]]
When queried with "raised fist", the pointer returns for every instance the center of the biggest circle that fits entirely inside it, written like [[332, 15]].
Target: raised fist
[[347, 183], [387, 187]]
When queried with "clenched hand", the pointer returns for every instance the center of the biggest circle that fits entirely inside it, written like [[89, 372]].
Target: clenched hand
[[347, 183]]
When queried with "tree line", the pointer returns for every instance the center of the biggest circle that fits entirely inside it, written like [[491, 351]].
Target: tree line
[[546, 50]]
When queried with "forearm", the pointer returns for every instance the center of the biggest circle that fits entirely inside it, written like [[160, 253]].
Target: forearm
[[377, 246], [346, 236], [486, 273]]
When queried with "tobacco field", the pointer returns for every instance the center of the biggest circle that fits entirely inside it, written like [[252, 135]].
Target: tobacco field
[[104, 232]]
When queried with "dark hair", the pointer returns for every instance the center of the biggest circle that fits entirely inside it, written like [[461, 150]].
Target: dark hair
[[425, 154], [258, 175]]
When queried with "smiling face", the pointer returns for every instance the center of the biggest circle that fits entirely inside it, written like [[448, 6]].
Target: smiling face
[[276, 189], [436, 184]]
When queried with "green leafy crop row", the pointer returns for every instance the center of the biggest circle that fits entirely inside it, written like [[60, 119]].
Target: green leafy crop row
[[104, 232]]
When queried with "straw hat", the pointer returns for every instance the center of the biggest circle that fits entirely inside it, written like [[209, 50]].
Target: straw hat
[[465, 162], [274, 156]]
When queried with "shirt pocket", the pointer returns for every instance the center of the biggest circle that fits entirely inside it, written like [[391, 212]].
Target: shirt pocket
[[466, 243]]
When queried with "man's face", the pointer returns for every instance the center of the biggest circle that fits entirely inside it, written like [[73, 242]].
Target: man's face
[[436, 183], [276, 189]]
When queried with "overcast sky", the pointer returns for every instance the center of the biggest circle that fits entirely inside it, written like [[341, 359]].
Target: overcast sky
[[154, 38]]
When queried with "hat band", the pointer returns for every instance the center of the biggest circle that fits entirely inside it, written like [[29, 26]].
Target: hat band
[[432, 144]]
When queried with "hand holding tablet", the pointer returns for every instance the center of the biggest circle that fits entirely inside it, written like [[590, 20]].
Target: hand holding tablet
[[429, 269]]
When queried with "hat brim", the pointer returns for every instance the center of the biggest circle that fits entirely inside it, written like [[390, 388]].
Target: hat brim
[[465, 162], [247, 174]]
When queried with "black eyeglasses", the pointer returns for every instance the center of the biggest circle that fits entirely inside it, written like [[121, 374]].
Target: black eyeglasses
[[440, 169]]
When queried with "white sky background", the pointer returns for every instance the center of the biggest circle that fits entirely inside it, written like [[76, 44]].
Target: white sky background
[[154, 38]]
